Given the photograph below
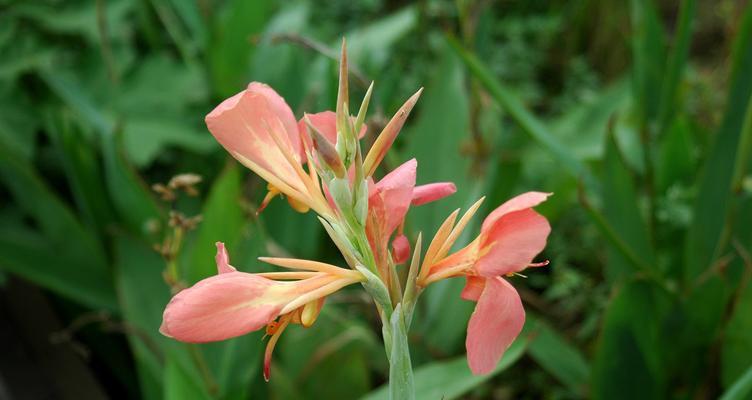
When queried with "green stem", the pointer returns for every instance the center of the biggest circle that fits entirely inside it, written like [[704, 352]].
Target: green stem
[[401, 386]]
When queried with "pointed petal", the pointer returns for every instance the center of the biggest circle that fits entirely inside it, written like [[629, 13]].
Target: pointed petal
[[512, 242], [223, 260], [497, 320], [520, 202], [400, 249], [386, 137], [222, 307], [431, 192], [473, 288], [242, 125]]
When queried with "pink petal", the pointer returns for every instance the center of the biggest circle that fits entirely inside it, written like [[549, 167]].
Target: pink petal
[[520, 202], [223, 260], [497, 320], [400, 249], [431, 192], [393, 193], [512, 242], [243, 125], [473, 288], [222, 307]]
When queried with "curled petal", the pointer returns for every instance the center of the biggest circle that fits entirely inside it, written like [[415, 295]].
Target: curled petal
[[520, 202], [223, 260], [400, 249], [245, 124], [511, 243], [497, 320], [221, 307], [431, 192]]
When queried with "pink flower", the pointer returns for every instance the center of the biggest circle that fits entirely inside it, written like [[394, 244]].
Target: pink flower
[[234, 303], [431, 192], [258, 128], [511, 236]]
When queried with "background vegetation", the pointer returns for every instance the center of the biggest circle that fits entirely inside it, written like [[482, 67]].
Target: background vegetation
[[637, 114]]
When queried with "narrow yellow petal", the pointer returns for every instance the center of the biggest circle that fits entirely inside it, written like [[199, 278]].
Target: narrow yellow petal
[[457, 230]]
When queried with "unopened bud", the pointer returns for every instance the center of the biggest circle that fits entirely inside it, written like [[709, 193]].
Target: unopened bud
[[326, 151], [339, 188]]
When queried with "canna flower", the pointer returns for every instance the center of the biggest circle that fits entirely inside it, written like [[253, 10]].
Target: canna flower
[[233, 303], [511, 236], [258, 128]]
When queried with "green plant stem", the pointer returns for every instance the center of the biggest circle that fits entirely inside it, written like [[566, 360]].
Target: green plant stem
[[401, 386]]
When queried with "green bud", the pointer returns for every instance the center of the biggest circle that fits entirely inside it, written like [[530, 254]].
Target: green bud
[[361, 202], [339, 188]]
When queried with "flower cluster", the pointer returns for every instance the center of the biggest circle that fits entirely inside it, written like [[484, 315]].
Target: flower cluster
[[316, 164]]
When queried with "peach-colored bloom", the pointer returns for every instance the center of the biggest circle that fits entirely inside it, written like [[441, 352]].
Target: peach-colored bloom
[[511, 236], [234, 303], [258, 128]]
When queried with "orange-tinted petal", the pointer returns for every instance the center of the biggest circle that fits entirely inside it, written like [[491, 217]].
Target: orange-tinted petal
[[511, 243], [221, 307], [520, 202], [244, 125], [497, 320], [431, 192]]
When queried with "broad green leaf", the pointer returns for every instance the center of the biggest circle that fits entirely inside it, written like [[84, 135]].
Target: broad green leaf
[[65, 256], [648, 52], [710, 209], [559, 358], [369, 46], [621, 210], [130, 196], [223, 221], [230, 52], [179, 385], [451, 379], [629, 357]]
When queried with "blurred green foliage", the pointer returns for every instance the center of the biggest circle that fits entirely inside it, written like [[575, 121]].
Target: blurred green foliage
[[636, 114]]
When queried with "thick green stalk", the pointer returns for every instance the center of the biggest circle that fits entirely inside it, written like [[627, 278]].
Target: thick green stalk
[[401, 385]]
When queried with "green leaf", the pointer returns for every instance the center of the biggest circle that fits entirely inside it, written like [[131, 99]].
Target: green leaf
[[223, 221], [369, 46], [65, 257], [230, 52], [677, 62], [130, 196], [621, 210], [81, 165], [704, 237], [559, 358], [630, 340], [181, 386], [451, 379], [648, 52]]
